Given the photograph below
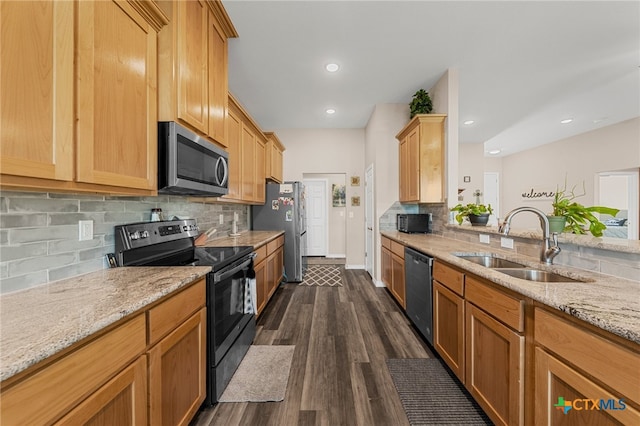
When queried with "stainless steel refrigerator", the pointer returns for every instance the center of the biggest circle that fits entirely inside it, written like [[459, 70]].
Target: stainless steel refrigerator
[[284, 209]]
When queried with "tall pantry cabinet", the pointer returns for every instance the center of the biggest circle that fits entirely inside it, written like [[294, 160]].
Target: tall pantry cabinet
[[78, 106]]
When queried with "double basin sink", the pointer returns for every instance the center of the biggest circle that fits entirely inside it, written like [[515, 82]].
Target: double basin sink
[[514, 269]]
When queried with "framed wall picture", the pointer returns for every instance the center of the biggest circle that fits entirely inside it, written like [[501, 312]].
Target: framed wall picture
[[355, 180], [339, 195], [355, 201]]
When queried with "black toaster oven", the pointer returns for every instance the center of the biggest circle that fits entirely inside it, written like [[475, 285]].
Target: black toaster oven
[[415, 223]]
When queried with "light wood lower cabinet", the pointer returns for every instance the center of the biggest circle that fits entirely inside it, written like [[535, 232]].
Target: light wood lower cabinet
[[494, 367], [122, 401], [448, 328], [269, 267], [597, 378], [393, 269], [177, 373], [116, 378]]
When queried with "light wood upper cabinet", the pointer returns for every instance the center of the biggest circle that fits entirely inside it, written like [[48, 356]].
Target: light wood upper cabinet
[[36, 82], [247, 156], [117, 118], [274, 157], [421, 156], [112, 90], [193, 77]]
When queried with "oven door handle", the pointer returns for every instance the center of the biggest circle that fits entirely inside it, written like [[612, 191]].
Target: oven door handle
[[230, 270]]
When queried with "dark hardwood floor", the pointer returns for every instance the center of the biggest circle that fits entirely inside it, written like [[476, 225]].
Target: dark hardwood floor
[[343, 335]]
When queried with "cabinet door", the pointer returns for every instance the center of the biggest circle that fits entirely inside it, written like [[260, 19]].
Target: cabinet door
[[448, 328], [234, 148], [218, 95], [403, 155], [122, 401], [261, 283], [558, 384], [248, 153], [495, 367], [413, 166], [397, 279], [386, 267], [261, 173], [192, 61], [271, 274], [36, 82], [177, 373], [116, 91], [279, 265]]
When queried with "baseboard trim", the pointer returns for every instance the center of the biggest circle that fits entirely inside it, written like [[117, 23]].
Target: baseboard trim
[[336, 256], [353, 266], [379, 283]]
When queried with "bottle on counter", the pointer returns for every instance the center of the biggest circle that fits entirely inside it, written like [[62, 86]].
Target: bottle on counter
[[156, 215]]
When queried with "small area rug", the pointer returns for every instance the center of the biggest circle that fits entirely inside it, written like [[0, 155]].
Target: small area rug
[[322, 275], [430, 395], [262, 375]]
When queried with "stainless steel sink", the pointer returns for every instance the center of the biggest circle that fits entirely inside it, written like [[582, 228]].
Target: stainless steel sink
[[489, 261], [537, 275]]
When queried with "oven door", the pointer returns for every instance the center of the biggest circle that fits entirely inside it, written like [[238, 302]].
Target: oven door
[[227, 293]]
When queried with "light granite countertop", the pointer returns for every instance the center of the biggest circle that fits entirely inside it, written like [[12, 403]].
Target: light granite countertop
[[39, 322], [247, 238], [607, 302]]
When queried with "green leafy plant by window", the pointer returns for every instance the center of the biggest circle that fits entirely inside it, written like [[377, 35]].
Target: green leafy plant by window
[[421, 103], [578, 216]]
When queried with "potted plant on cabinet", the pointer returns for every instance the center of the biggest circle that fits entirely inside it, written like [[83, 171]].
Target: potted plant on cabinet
[[570, 216], [421, 103], [477, 214]]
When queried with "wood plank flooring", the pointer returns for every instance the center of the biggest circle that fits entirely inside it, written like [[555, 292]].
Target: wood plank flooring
[[343, 335]]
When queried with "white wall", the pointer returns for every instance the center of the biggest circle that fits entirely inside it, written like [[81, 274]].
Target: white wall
[[471, 167], [330, 151], [381, 150], [578, 159]]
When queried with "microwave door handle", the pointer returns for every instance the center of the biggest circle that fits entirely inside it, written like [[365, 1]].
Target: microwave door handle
[[222, 162], [229, 271]]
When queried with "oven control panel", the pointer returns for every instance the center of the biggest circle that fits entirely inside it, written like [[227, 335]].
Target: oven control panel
[[142, 234]]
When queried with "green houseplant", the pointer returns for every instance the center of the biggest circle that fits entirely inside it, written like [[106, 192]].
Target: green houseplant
[[421, 103], [571, 216], [477, 214]]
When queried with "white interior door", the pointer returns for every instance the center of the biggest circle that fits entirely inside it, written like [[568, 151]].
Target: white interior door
[[317, 216], [368, 219], [492, 195]]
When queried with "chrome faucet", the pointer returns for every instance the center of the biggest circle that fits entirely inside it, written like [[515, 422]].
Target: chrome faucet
[[548, 251]]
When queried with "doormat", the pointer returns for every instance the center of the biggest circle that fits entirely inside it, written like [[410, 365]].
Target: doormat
[[262, 375], [431, 395], [322, 275]]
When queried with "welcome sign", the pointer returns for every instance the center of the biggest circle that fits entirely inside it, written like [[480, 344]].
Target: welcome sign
[[533, 194]]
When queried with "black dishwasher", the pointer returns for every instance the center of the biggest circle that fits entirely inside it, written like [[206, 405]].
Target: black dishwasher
[[417, 269]]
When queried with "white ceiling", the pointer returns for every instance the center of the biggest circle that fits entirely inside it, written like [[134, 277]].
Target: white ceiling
[[523, 65]]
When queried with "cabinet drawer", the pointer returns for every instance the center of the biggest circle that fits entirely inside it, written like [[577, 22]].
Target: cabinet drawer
[[612, 364], [273, 245], [164, 317], [386, 243], [449, 277], [261, 254], [505, 308], [397, 249], [53, 391]]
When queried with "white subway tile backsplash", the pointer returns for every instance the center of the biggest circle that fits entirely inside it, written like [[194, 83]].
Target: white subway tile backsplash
[[39, 231]]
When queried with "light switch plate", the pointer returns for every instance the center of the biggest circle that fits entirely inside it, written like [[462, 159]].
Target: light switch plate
[[506, 242], [485, 239], [85, 230]]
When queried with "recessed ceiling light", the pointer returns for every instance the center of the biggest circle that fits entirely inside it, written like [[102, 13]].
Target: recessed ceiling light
[[332, 67], [468, 122], [330, 111], [495, 151], [566, 121]]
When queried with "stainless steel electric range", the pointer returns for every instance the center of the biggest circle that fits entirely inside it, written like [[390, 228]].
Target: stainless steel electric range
[[231, 325]]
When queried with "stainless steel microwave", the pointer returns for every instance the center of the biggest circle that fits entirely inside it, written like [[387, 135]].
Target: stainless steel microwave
[[189, 164]]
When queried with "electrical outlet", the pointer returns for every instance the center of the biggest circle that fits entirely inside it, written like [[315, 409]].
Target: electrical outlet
[[485, 239], [221, 219], [85, 230], [506, 242]]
